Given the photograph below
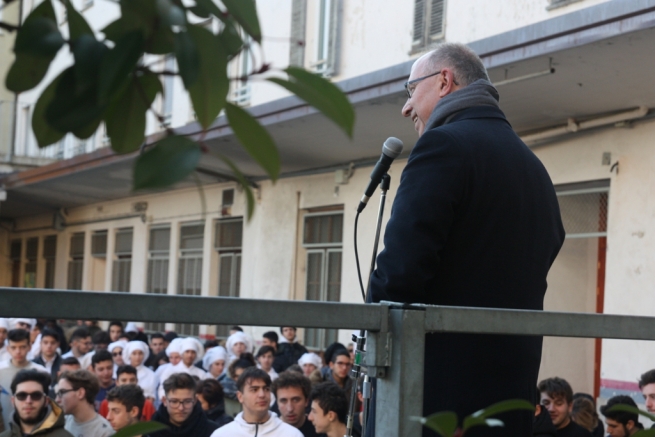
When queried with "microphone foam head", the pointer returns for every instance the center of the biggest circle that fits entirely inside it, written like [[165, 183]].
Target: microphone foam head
[[392, 147]]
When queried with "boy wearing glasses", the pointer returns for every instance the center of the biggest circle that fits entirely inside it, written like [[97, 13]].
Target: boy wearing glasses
[[35, 412], [76, 393], [180, 411]]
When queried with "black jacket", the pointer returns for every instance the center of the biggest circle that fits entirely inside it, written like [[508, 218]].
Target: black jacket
[[218, 415], [197, 425], [475, 223], [543, 425], [56, 365], [287, 355]]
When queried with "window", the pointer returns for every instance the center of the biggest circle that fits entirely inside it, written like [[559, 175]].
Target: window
[[327, 36], [31, 254], [158, 260], [228, 244], [322, 238], [241, 67], [429, 21], [122, 268], [584, 209], [298, 29], [189, 273], [15, 253], [559, 3], [49, 255], [98, 260], [76, 261], [169, 85]]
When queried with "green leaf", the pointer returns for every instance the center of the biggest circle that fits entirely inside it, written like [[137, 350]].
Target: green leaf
[[170, 14], [230, 38], [77, 25], [118, 63], [211, 7], [88, 54], [186, 54], [245, 13], [321, 94], [126, 119], [250, 198], [44, 133], [26, 72], [169, 161], [645, 433], [141, 428], [481, 417], [255, 139], [443, 423], [630, 409], [209, 91], [39, 36]]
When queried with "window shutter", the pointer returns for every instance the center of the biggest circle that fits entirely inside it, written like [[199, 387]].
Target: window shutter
[[334, 39], [419, 24], [298, 28], [436, 19]]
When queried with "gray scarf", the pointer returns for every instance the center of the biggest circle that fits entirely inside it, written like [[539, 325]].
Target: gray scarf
[[479, 93]]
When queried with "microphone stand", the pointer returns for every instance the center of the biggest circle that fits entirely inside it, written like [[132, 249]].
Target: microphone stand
[[360, 339]]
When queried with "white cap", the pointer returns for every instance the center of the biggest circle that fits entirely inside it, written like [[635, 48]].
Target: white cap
[[310, 358], [135, 345], [214, 354]]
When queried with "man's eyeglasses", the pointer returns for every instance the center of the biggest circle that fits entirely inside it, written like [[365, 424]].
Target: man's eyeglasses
[[35, 396], [410, 85], [175, 403], [62, 392]]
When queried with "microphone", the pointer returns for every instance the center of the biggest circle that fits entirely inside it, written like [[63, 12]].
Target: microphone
[[391, 149]]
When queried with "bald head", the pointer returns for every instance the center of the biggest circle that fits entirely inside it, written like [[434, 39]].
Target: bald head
[[466, 64]]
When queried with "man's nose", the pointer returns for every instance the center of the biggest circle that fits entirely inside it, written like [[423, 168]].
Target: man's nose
[[407, 109]]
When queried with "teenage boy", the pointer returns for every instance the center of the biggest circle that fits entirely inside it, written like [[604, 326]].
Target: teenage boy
[[292, 391], [557, 398], [76, 393]]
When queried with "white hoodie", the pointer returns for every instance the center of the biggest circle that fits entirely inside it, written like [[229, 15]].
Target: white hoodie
[[273, 427]]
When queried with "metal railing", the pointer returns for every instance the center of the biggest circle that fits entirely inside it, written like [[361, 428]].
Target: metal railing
[[395, 345]]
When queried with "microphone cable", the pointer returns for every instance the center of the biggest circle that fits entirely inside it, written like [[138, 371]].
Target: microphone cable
[[359, 271]]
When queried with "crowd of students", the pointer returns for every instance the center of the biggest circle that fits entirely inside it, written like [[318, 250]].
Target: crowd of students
[[93, 383]]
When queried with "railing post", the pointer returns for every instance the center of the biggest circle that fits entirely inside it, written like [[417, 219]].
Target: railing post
[[400, 393]]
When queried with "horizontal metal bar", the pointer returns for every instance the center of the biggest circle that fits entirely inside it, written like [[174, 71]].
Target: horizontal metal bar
[[87, 305], [523, 322]]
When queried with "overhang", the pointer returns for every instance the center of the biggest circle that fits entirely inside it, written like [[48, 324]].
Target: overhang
[[602, 61]]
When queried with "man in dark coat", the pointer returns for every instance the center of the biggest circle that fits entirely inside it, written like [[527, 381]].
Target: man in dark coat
[[475, 223]]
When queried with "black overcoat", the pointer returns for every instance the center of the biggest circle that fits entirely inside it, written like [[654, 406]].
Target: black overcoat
[[475, 223]]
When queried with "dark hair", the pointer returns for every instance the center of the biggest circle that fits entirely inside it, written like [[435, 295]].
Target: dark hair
[[647, 378], [264, 350], [79, 334], [160, 356], [125, 369], [331, 349], [556, 388], [211, 390], [272, 336], [330, 397], [245, 361], [584, 413], [292, 327], [70, 361], [83, 379], [236, 328], [587, 396], [620, 416], [157, 335], [210, 344], [101, 356], [339, 353], [250, 374], [170, 336], [101, 337], [116, 323], [47, 332], [292, 379], [179, 381], [31, 375], [130, 395], [18, 335], [38, 326]]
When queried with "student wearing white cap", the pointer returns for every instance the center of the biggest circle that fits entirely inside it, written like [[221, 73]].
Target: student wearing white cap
[[191, 350], [116, 350], [135, 354], [238, 343], [174, 354], [214, 361], [4, 329], [310, 362]]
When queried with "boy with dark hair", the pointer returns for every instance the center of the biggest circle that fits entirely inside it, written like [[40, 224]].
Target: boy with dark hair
[[48, 357], [289, 350], [180, 411], [125, 405], [18, 346], [270, 338], [115, 331], [126, 375], [210, 396], [329, 410], [101, 340], [103, 367], [76, 393], [81, 345], [621, 423], [254, 394], [292, 391], [35, 412], [647, 387], [557, 398]]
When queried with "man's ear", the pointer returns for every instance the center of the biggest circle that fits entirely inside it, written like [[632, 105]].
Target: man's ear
[[537, 410], [332, 416], [240, 396], [134, 412], [81, 393]]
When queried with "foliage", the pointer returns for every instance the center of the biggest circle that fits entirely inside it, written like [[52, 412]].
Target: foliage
[[109, 82], [446, 423], [141, 428]]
